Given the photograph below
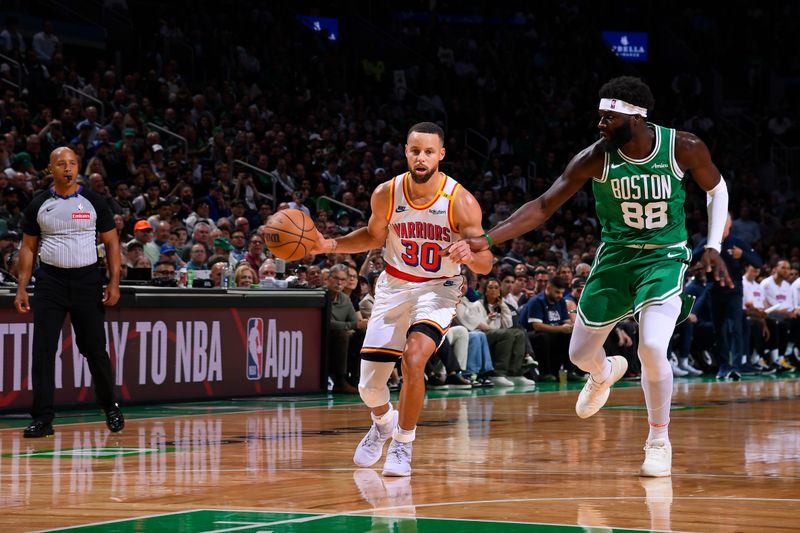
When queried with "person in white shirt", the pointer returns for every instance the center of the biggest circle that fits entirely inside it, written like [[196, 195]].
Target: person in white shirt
[[780, 311], [754, 328], [45, 43]]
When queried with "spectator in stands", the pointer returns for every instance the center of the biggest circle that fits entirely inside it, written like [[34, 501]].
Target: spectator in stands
[[745, 228], [197, 258], [255, 252], [46, 43], [549, 327], [343, 325], [727, 305], [754, 328], [780, 310], [245, 276]]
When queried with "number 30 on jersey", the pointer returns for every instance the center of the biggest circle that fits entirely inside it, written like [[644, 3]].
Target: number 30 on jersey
[[428, 255]]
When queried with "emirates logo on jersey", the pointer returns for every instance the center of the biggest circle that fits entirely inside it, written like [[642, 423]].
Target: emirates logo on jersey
[[81, 215]]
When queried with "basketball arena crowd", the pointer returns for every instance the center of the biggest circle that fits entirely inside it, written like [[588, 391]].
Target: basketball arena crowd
[[225, 116]]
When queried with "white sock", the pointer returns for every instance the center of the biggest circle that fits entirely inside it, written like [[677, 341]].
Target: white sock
[[773, 355], [604, 374], [383, 419], [404, 435], [660, 431]]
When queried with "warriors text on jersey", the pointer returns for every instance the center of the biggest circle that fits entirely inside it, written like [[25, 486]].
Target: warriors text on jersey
[[641, 200], [419, 233]]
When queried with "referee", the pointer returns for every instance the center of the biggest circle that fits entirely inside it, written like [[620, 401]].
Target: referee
[[60, 225]]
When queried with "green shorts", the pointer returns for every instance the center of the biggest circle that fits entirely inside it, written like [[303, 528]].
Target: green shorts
[[624, 280]]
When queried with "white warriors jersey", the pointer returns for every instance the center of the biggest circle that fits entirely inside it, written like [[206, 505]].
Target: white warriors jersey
[[419, 233]]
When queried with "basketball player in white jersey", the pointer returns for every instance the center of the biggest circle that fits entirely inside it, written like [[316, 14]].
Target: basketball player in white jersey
[[416, 215]]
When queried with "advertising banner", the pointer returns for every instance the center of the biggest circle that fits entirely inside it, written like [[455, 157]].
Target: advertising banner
[[171, 354]]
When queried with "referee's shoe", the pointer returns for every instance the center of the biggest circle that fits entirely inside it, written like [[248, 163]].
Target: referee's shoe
[[114, 419], [38, 429]]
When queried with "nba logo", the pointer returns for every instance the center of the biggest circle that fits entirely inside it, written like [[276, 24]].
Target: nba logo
[[255, 347]]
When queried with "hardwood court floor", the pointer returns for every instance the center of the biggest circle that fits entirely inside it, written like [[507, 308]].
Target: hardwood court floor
[[520, 461]]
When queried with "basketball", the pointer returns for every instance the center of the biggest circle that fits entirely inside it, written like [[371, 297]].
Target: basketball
[[290, 234]]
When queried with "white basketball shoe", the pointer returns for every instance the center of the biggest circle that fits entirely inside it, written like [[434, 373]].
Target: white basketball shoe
[[594, 395], [657, 459], [370, 448], [398, 459]]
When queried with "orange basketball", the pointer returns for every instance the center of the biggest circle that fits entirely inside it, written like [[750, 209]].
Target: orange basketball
[[290, 234]]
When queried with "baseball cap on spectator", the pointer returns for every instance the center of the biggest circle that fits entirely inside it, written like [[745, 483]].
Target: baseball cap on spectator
[[315, 137], [380, 170], [142, 225], [342, 213], [21, 160], [167, 248], [157, 148], [222, 242], [134, 244], [173, 200], [360, 145], [129, 132], [171, 164]]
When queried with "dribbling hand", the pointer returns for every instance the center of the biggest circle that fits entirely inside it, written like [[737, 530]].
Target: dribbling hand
[[21, 300]]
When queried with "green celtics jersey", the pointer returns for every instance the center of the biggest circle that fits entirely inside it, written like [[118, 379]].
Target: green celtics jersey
[[641, 200]]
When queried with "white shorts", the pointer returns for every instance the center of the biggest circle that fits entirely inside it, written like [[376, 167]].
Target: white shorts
[[401, 305]]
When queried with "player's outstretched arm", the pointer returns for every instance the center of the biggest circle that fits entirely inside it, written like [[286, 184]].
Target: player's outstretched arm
[[362, 239], [530, 216], [693, 155], [467, 218]]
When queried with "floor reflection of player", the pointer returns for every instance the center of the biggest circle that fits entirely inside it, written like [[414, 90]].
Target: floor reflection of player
[[391, 498]]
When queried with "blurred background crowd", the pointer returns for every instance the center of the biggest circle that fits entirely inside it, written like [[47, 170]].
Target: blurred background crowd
[[196, 125]]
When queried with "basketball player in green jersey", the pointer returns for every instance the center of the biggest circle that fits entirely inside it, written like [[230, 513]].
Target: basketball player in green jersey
[[637, 170]]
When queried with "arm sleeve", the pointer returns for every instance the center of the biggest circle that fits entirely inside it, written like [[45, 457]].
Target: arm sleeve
[[30, 222], [717, 207]]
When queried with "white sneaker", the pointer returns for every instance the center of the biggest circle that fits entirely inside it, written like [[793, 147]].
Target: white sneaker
[[594, 395], [685, 365], [501, 381], [677, 371], [521, 380], [370, 448], [657, 459], [398, 459]]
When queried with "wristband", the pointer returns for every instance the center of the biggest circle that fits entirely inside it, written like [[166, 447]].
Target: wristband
[[488, 238], [335, 244]]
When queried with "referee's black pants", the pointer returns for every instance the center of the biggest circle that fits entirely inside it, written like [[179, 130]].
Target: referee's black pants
[[79, 292]]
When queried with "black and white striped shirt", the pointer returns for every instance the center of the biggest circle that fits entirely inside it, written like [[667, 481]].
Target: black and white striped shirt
[[67, 226]]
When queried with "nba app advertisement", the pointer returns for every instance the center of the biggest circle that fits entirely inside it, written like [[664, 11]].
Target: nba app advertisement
[[175, 353]]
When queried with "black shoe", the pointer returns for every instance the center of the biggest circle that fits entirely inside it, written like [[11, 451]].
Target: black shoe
[[114, 419], [38, 429], [454, 381], [575, 376]]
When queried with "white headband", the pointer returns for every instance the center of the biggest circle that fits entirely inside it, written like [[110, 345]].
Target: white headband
[[621, 106]]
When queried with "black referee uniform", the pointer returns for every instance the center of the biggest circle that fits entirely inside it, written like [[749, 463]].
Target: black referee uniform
[[68, 280]]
